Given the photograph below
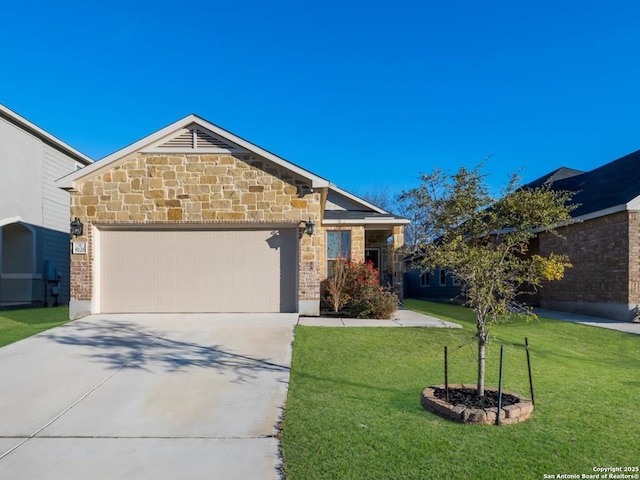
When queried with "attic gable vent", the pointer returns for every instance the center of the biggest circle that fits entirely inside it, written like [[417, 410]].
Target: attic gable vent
[[194, 139], [185, 141], [204, 139]]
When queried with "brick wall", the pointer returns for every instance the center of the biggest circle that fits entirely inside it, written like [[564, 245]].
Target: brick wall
[[599, 252], [308, 281], [180, 189], [82, 280], [634, 257]]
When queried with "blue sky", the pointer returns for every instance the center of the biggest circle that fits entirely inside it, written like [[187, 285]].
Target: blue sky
[[365, 93]]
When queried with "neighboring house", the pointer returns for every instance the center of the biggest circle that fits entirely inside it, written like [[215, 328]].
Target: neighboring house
[[196, 219], [436, 284], [603, 244], [34, 214]]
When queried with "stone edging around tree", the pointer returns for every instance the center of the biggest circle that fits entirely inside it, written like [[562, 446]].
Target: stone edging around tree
[[516, 413]]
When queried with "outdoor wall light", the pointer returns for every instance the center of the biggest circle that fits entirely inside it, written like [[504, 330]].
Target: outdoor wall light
[[76, 227], [309, 227]]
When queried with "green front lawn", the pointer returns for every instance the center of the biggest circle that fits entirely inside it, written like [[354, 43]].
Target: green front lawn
[[18, 324], [353, 409]]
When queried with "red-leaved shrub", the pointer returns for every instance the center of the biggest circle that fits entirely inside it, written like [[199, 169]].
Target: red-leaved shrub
[[357, 285]]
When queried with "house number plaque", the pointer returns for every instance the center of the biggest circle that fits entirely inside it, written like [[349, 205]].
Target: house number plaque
[[79, 248]]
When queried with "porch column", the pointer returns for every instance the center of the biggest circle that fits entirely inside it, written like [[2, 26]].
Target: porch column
[[357, 244], [397, 263]]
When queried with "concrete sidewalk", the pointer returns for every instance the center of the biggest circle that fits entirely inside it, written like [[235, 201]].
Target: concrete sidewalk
[[402, 318], [409, 318], [626, 327]]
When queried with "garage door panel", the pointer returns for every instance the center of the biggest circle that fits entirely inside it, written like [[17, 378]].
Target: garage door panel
[[198, 271]]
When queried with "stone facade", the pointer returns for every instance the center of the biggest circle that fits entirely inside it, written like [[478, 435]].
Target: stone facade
[[604, 279], [196, 189]]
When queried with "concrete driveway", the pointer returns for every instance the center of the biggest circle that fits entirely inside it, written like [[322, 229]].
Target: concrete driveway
[[187, 396]]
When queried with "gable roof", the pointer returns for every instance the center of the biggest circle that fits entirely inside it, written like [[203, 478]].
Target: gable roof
[[31, 128], [343, 207], [558, 174], [191, 133], [195, 134], [613, 187]]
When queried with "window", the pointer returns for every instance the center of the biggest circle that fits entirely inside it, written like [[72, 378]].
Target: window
[[338, 246], [443, 277], [456, 280], [425, 279]]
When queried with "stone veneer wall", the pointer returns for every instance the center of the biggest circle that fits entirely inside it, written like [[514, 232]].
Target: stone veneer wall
[[201, 189], [357, 243], [398, 260], [598, 283]]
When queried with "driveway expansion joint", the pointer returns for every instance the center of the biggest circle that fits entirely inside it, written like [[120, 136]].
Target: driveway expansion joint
[[196, 394], [86, 394]]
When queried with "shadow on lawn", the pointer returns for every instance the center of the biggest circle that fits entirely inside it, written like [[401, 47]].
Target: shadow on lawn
[[128, 345], [373, 396]]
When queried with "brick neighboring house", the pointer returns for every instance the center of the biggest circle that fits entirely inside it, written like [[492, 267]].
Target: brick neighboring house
[[34, 214], [196, 219], [603, 244]]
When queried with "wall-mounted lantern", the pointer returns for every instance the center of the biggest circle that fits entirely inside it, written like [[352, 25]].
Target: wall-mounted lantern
[[309, 227], [76, 227]]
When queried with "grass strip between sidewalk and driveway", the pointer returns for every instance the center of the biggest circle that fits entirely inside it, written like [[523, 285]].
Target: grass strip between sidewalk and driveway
[[18, 324], [353, 409]]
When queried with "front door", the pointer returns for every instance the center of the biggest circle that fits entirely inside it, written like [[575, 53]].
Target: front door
[[373, 255]]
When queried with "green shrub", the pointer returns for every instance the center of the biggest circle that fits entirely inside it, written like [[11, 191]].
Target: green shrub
[[381, 303]]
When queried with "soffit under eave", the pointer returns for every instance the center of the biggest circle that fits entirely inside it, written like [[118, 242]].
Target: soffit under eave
[[367, 225], [323, 200]]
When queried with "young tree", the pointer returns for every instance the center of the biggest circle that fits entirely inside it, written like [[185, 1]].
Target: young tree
[[484, 241]]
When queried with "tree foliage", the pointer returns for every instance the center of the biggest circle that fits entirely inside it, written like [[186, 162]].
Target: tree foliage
[[485, 241]]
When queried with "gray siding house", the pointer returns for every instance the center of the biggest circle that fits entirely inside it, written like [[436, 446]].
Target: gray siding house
[[437, 284], [34, 214]]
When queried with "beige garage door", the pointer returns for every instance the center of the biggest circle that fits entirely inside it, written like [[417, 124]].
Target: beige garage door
[[197, 271]]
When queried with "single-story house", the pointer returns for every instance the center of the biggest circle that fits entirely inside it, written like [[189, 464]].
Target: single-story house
[[602, 243], [436, 284], [34, 213], [194, 218]]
